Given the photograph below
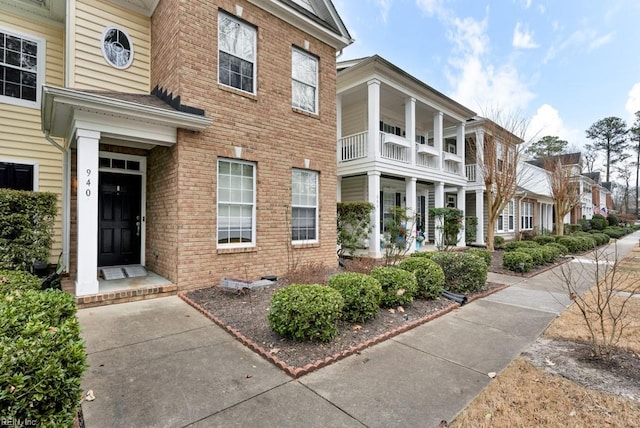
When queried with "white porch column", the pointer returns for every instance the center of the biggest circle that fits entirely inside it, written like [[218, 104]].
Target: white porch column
[[461, 203], [410, 127], [339, 190], [412, 208], [438, 139], [460, 148], [374, 198], [438, 202], [479, 156], [87, 205], [339, 128], [373, 119], [480, 216]]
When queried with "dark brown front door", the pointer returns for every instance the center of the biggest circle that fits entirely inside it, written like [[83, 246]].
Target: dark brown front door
[[119, 219]]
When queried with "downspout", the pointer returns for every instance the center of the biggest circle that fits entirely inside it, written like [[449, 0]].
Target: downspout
[[66, 179]]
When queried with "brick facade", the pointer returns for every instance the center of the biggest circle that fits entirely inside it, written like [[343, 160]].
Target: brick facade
[[182, 180]]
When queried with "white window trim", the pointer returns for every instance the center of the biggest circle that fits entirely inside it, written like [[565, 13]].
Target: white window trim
[[42, 48], [255, 53], [36, 169], [317, 87], [523, 215], [317, 207], [253, 209], [505, 218]]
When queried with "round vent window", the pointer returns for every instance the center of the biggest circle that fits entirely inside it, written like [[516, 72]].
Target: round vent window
[[117, 47]]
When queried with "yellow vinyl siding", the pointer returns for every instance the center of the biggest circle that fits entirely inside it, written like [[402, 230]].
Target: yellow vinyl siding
[[21, 137], [89, 68]]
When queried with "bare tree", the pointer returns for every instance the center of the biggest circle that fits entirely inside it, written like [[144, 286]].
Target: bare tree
[[604, 307], [634, 135], [624, 173], [590, 157], [502, 151], [565, 188]]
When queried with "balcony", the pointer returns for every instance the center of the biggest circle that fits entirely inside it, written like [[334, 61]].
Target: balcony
[[452, 157], [471, 172], [394, 147], [352, 147]]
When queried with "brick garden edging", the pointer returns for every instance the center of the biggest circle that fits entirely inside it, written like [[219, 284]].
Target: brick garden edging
[[296, 372]]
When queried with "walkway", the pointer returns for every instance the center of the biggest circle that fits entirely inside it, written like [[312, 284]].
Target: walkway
[[159, 363]]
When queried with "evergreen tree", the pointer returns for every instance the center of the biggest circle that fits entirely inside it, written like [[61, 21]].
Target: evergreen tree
[[547, 146], [609, 136]]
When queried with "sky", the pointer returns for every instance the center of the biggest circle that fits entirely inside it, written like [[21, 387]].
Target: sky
[[560, 64]]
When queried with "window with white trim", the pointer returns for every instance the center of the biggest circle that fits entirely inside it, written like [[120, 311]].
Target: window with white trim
[[236, 53], [304, 81], [21, 68], [304, 222], [499, 156], [506, 220], [17, 176], [526, 216], [236, 203]]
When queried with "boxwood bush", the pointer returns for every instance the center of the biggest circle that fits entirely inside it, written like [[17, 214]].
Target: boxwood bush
[[537, 256], [517, 261], [562, 248], [550, 253], [498, 242], [544, 239], [572, 244], [464, 273], [306, 312], [423, 254], [361, 294], [483, 254], [42, 357], [599, 222], [399, 287], [586, 241], [516, 245], [11, 280], [429, 276], [600, 238], [614, 232]]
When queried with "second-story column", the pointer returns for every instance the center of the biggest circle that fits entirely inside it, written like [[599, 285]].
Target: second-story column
[[339, 127], [479, 161], [460, 148], [373, 119], [438, 139], [410, 127]]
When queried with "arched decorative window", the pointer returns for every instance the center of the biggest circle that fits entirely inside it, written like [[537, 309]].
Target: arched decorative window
[[117, 47]]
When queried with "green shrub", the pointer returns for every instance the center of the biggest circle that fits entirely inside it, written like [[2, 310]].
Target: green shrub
[[464, 273], [399, 287], [562, 248], [537, 256], [598, 222], [498, 242], [42, 357], [26, 227], [483, 254], [586, 242], [306, 312], [423, 254], [613, 220], [586, 225], [517, 261], [550, 253], [354, 226], [614, 232], [17, 280], [361, 294], [470, 229], [516, 245], [544, 239], [600, 238], [429, 276], [572, 244]]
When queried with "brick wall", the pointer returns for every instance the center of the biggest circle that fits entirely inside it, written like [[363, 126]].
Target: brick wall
[[272, 134]]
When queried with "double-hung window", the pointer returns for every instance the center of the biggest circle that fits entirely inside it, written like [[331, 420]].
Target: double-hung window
[[304, 81], [526, 216], [236, 203], [499, 157], [506, 220], [304, 224], [236, 53], [21, 68], [18, 176]]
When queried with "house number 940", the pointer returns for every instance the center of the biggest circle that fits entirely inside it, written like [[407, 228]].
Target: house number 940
[[88, 183]]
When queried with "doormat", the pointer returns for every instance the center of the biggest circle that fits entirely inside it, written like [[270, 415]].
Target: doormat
[[123, 272]]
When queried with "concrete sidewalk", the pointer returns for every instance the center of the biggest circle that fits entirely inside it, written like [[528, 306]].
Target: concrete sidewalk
[[159, 363]]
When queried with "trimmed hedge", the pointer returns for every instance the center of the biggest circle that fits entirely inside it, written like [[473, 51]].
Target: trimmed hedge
[[42, 357], [422, 254], [11, 280], [537, 256], [399, 287], [498, 242], [562, 248], [599, 222], [483, 254], [614, 232], [464, 273], [429, 276], [516, 245], [550, 253], [572, 244], [517, 261], [600, 238], [544, 239], [26, 227], [361, 294], [306, 312]]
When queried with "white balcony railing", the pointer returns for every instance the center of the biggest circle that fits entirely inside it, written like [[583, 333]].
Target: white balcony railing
[[452, 167], [471, 171], [389, 149], [352, 147]]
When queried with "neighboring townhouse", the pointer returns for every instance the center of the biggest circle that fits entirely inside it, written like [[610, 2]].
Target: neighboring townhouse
[[535, 200], [600, 194], [401, 143], [196, 139]]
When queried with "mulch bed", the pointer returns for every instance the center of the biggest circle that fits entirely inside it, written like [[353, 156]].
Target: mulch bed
[[245, 317], [496, 266]]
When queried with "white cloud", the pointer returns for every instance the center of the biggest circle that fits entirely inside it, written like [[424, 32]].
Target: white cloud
[[585, 38], [523, 38], [384, 6], [541, 8], [547, 121], [600, 41], [475, 80], [633, 103], [432, 7]]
